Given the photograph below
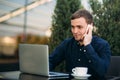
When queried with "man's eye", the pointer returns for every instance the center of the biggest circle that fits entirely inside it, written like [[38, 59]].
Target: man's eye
[[79, 27], [72, 26]]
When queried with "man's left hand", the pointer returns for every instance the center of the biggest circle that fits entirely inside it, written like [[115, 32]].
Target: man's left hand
[[88, 35]]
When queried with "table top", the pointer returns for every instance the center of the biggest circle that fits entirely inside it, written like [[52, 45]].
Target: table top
[[17, 75]]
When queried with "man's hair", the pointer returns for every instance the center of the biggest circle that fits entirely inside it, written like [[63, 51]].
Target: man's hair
[[83, 13]]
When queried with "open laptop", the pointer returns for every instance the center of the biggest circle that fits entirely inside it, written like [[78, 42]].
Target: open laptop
[[34, 59]]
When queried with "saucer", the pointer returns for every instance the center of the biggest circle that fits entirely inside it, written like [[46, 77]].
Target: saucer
[[81, 76]]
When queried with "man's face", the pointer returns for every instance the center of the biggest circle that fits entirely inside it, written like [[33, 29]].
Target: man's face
[[78, 28]]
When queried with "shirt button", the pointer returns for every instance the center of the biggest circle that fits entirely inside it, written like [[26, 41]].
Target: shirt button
[[78, 59], [80, 49], [89, 61], [84, 50]]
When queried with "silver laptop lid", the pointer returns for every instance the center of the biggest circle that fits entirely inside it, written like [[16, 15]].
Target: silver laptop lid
[[33, 59]]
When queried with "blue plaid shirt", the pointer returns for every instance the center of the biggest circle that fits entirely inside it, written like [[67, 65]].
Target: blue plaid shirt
[[95, 56]]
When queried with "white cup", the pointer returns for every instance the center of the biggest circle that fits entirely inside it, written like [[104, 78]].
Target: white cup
[[80, 70]]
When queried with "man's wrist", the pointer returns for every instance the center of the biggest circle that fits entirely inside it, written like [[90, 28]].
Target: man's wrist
[[86, 44]]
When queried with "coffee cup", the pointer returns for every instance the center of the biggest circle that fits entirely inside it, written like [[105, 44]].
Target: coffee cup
[[80, 70]]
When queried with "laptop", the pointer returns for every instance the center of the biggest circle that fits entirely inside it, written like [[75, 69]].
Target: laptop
[[34, 59]]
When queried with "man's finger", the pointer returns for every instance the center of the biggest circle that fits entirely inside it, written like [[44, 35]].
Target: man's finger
[[90, 29]]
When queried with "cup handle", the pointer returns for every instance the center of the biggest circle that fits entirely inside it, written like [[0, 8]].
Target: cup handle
[[73, 70]]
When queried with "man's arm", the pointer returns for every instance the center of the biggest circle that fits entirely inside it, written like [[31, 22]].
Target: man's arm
[[57, 56], [100, 60]]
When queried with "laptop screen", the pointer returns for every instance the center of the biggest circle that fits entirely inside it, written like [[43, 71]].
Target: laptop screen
[[33, 58]]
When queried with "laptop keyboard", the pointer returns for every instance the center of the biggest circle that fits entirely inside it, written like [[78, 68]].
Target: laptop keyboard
[[54, 73], [58, 73]]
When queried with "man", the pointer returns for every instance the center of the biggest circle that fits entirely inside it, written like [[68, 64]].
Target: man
[[83, 50]]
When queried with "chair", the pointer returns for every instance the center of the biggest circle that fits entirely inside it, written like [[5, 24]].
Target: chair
[[114, 68]]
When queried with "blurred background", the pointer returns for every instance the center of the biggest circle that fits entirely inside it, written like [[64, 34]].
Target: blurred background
[[24, 21]]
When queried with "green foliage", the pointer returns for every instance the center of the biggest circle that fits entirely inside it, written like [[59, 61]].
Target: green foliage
[[61, 21], [107, 20]]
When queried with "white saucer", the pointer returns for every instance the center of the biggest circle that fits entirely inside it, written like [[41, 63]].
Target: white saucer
[[81, 76]]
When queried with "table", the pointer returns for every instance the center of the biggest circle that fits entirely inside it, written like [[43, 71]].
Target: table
[[17, 75]]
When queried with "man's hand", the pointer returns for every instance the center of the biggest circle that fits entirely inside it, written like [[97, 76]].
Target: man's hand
[[88, 35]]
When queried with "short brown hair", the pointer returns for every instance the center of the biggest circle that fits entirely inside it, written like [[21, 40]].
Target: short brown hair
[[83, 13]]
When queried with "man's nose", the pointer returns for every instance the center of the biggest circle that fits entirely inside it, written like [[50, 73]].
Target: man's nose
[[75, 30]]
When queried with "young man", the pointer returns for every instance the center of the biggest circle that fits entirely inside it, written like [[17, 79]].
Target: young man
[[83, 50]]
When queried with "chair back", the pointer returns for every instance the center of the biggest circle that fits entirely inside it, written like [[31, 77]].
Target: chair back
[[114, 68]]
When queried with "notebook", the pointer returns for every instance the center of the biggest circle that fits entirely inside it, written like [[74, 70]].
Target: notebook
[[34, 59]]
